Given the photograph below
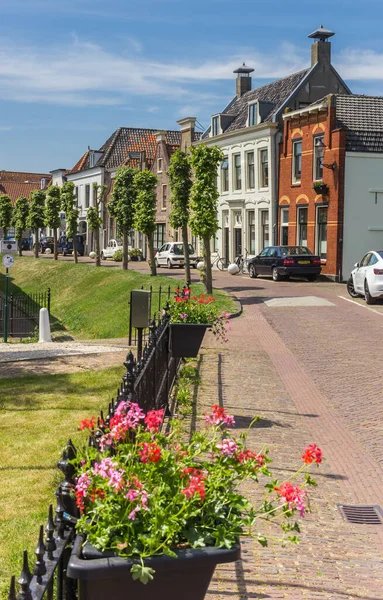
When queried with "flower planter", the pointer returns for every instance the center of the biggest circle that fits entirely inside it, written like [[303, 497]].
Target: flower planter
[[186, 339], [102, 576], [321, 189]]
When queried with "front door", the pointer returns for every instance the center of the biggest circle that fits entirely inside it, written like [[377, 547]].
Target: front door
[[237, 242]]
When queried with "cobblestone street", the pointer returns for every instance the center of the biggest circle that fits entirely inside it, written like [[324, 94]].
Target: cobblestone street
[[312, 374]]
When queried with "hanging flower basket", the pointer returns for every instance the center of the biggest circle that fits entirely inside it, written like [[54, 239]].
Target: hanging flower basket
[[186, 339], [320, 187], [188, 576]]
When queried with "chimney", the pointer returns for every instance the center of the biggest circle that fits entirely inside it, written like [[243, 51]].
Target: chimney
[[187, 132], [321, 49], [243, 81]]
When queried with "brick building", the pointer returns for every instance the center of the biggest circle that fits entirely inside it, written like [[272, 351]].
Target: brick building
[[337, 142]]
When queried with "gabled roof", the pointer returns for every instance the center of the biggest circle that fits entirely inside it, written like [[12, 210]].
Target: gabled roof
[[275, 93], [362, 118], [115, 151], [16, 183]]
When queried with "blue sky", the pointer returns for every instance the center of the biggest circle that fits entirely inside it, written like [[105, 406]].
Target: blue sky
[[72, 71]]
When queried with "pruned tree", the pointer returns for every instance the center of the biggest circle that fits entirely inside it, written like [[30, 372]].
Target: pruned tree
[[145, 210], [69, 206], [180, 179], [6, 210], [36, 217], [52, 213], [94, 217], [20, 219], [121, 206], [203, 202]]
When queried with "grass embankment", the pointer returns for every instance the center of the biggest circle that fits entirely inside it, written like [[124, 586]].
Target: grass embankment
[[38, 415], [90, 302]]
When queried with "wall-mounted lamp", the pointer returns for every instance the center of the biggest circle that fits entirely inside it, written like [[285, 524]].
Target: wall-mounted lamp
[[331, 166]]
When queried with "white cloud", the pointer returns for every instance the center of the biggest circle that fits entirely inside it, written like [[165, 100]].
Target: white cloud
[[83, 73]]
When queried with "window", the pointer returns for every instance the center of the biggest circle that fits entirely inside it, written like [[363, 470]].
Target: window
[[297, 161], [87, 195], [302, 226], [251, 231], [265, 231], [76, 194], [321, 249], [264, 168], [237, 171], [159, 235], [214, 125], [164, 196], [253, 114], [159, 165], [284, 226], [250, 170], [225, 175], [318, 157]]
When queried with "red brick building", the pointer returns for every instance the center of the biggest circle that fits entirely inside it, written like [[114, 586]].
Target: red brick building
[[311, 183]]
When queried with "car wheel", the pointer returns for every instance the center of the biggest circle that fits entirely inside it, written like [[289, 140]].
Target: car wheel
[[180, 266], [312, 277], [156, 263], [367, 296], [102, 256], [276, 275], [193, 265], [170, 266], [252, 272], [351, 289]]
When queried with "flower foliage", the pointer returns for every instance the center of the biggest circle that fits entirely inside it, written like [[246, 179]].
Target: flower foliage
[[186, 308], [141, 492]]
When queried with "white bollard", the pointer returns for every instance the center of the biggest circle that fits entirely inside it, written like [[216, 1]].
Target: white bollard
[[233, 269], [44, 326]]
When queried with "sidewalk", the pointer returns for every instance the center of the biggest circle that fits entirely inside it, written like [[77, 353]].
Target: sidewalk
[[335, 559]]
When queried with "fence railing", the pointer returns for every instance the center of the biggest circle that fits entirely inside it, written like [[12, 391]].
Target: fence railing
[[148, 382], [23, 312]]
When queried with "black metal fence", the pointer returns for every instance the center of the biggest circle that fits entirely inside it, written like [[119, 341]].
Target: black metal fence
[[147, 382], [23, 312]]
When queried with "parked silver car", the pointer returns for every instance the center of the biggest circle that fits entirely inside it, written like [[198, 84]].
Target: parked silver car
[[172, 255]]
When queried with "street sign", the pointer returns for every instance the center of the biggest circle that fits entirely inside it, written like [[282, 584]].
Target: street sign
[[8, 246], [8, 261]]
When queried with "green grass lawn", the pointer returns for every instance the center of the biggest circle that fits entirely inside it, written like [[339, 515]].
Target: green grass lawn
[[38, 414], [90, 302]]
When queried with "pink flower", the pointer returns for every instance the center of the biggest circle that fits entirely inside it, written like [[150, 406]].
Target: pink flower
[[104, 468], [153, 419], [312, 453], [132, 495], [219, 417], [292, 495], [132, 515], [183, 316], [228, 447]]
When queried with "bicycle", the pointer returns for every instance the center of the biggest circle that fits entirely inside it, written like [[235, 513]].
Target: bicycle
[[242, 261], [218, 262]]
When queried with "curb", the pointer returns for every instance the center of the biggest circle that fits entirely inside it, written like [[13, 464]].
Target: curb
[[238, 306]]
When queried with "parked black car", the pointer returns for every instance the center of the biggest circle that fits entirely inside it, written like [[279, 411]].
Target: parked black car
[[285, 262], [45, 243], [65, 245]]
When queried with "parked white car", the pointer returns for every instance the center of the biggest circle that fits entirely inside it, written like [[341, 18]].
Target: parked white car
[[172, 255], [112, 247], [367, 277]]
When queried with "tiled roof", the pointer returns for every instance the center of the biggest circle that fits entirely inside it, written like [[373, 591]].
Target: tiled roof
[[362, 118], [275, 92], [16, 184], [115, 151]]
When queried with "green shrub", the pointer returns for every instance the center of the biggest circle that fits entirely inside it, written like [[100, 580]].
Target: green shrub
[[135, 252], [117, 256]]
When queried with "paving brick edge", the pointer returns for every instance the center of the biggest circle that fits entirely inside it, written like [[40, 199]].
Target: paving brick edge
[[238, 306]]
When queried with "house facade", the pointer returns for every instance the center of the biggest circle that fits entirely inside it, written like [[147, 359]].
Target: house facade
[[337, 141], [249, 131]]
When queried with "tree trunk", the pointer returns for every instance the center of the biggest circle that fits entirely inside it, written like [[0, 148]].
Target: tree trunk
[[75, 255], [97, 246], [55, 253], [208, 271], [19, 241], [186, 254], [5, 233], [125, 249], [36, 242], [153, 270]]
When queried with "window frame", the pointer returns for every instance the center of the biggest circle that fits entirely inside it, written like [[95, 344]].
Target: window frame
[[283, 226], [159, 164], [248, 165], [318, 228], [87, 195], [252, 114], [237, 169], [300, 209], [225, 175], [164, 197], [295, 180], [264, 226], [251, 238], [215, 125], [261, 168], [316, 176]]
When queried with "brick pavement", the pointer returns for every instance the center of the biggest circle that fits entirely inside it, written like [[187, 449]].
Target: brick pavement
[[274, 366]]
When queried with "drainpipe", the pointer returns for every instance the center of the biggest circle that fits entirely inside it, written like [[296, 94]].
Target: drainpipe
[[274, 198]]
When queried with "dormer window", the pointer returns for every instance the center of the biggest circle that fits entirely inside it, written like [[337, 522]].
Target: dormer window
[[159, 165], [215, 126], [253, 114]]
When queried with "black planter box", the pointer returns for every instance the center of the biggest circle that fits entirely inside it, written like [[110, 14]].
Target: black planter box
[[103, 576], [186, 339]]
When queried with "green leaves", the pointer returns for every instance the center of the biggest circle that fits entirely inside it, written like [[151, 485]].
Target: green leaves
[[145, 202], [5, 211], [53, 207], [204, 192], [144, 574], [20, 216], [180, 179], [121, 203], [69, 206], [36, 217]]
